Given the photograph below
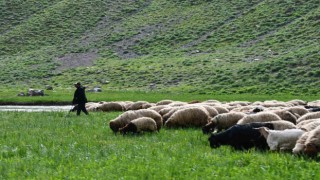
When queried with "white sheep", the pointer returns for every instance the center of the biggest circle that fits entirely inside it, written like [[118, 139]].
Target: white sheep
[[259, 117], [312, 115], [223, 121], [310, 126], [281, 139], [139, 105], [139, 125], [188, 117], [128, 116], [286, 115], [303, 123]]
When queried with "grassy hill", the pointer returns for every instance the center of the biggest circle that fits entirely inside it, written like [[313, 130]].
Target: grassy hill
[[198, 46]]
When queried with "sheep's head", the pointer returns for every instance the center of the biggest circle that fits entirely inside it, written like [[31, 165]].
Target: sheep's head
[[113, 126], [311, 150], [208, 128], [214, 143]]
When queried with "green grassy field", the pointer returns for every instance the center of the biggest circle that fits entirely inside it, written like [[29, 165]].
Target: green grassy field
[[59, 145]]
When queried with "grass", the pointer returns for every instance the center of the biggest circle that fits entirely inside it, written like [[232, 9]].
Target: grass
[[60, 146]]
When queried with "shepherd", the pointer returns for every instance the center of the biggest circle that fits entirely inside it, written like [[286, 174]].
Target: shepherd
[[80, 98]]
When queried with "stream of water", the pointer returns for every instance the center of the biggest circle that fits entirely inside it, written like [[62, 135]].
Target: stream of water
[[35, 108]]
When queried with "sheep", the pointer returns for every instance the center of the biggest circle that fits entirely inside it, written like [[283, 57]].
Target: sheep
[[281, 139], [110, 106], [223, 121], [297, 102], [128, 116], [313, 115], [164, 102], [259, 117], [241, 136], [286, 115], [297, 110], [312, 144], [221, 109], [212, 111], [188, 117], [299, 146], [139, 105], [139, 125], [306, 122], [282, 125], [158, 108], [310, 126]]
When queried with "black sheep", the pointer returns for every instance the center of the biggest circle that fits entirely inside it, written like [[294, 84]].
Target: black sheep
[[241, 136]]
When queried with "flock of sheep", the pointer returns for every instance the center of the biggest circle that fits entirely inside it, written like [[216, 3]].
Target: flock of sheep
[[276, 125]]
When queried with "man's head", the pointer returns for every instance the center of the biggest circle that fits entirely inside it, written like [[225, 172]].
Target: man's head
[[78, 84]]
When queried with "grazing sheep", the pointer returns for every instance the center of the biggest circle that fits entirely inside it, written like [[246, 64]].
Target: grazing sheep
[[312, 144], [188, 117], [286, 115], [303, 123], [300, 110], [282, 125], [312, 115], [310, 126], [221, 109], [241, 136], [164, 102], [110, 106], [158, 108], [139, 125], [223, 121], [300, 144], [139, 105], [281, 139], [259, 117], [128, 116], [297, 102]]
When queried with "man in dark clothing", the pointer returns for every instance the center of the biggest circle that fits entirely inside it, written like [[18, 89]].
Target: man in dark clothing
[[80, 99]]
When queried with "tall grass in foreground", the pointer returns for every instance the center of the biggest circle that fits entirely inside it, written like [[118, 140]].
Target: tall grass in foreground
[[58, 145]]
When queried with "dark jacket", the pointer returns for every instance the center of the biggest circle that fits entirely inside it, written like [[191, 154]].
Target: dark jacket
[[79, 96]]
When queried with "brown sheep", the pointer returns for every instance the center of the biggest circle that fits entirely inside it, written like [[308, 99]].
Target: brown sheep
[[139, 125], [188, 117], [259, 117], [128, 116]]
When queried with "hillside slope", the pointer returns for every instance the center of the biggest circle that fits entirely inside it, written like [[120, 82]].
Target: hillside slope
[[245, 46]]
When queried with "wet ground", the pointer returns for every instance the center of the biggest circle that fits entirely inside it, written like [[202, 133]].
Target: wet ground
[[35, 108]]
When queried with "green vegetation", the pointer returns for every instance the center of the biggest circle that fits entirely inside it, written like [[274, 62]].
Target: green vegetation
[[63, 146], [191, 46]]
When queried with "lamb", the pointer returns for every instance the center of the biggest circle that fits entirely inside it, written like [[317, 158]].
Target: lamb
[[188, 117], [259, 117], [313, 115], [139, 125], [223, 121], [241, 136], [312, 144], [128, 116], [281, 140]]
